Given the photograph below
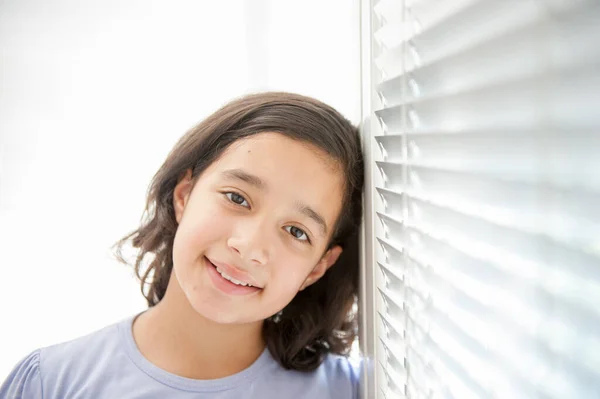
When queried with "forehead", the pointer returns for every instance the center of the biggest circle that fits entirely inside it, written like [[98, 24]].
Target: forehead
[[291, 170], [279, 148]]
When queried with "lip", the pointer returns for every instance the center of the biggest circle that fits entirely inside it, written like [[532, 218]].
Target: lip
[[235, 273], [226, 286]]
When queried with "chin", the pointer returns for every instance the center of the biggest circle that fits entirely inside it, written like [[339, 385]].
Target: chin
[[219, 312]]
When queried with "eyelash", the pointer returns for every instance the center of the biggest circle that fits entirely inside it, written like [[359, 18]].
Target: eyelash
[[229, 194]]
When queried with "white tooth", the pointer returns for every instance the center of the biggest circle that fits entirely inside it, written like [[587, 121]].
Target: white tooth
[[227, 277]]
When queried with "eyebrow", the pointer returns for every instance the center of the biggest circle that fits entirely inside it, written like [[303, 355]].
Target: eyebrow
[[314, 215], [239, 174], [253, 180]]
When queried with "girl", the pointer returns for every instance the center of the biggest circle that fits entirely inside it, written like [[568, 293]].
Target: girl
[[247, 256]]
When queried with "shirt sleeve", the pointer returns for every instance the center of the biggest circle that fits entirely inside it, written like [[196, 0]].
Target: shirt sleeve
[[344, 377], [24, 382], [355, 371]]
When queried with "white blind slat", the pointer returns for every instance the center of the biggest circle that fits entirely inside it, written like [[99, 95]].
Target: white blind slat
[[516, 47], [486, 144], [561, 101]]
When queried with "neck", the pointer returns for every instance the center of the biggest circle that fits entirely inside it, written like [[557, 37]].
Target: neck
[[177, 339]]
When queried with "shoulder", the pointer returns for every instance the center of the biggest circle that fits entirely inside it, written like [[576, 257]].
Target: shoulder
[[336, 378], [81, 350], [24, 380], [55, 369], [343, 374]]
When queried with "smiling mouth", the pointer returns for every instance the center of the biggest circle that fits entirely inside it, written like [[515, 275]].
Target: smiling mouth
[[231, 279]]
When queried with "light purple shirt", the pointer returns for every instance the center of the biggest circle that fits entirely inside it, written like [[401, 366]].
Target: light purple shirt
[[107, 365]]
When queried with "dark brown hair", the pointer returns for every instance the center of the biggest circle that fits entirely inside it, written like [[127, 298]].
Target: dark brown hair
[[320, 319]]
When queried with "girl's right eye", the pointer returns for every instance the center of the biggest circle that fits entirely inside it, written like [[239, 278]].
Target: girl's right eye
[[237, 199]]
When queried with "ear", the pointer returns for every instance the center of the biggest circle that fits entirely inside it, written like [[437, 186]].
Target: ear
[[181, 194], [330, 257]]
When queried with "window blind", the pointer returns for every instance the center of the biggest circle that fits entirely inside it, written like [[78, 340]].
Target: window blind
[[485, 197]]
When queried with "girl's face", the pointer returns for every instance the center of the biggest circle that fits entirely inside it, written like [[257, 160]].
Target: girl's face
[[262, 214]]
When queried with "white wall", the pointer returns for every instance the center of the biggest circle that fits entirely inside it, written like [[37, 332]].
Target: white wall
[[92, 97]]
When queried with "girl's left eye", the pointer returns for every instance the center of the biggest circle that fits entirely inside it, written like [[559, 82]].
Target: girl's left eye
[[297, 233], [237, 199]]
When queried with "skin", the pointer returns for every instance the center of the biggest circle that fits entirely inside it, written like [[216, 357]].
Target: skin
[[198, 331]]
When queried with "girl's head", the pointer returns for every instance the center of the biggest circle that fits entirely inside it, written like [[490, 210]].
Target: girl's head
[[266, 191]]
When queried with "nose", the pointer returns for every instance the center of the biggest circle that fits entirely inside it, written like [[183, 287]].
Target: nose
[[249, 240]]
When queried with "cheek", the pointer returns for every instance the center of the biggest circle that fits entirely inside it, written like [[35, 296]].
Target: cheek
[[199, 228], [284, 283], [289, 277]]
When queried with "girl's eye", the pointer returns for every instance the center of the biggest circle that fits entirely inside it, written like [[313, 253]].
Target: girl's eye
[[297, 233], [237, 199]]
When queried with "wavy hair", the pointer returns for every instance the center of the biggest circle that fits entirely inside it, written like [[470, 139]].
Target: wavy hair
[[320, 319]]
